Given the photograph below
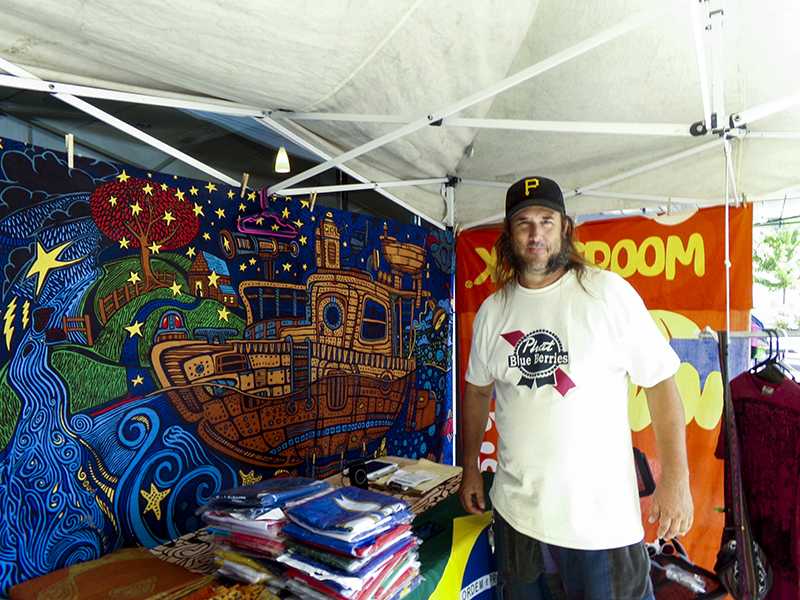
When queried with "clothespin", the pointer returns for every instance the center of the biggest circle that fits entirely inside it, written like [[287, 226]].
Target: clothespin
[[69, 140], [245, 181], [313, 200]]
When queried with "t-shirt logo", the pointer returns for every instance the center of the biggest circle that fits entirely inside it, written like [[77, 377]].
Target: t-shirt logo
[[539, 355]]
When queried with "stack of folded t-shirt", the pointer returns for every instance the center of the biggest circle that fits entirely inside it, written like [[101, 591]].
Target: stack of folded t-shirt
[[350, 544], [247, 524]]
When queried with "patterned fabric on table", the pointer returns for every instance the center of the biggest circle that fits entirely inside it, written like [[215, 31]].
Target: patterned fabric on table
[[130, 573], [193, 551]]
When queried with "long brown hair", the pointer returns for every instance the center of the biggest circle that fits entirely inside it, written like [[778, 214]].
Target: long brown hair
[[508, 264]]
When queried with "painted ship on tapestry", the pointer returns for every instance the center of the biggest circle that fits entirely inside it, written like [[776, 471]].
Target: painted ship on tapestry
[[324, 368]]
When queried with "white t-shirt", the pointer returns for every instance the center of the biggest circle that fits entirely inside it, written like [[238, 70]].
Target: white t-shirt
[[560, 359]]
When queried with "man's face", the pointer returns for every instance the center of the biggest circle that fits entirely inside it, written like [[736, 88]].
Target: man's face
[[536, 234]]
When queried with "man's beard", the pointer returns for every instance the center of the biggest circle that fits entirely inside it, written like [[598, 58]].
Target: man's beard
[[555, 262], [558, 260]]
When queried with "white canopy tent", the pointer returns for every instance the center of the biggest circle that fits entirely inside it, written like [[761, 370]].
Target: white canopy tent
[[422, 94]]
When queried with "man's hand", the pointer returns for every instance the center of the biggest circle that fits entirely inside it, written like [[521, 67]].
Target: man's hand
[[672, 507], [471, 491]]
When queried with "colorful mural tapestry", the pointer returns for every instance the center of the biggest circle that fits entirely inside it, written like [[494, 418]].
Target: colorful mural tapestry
[[166, 338]]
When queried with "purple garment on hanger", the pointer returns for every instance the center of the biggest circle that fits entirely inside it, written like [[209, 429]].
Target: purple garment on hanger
[[768, 423]]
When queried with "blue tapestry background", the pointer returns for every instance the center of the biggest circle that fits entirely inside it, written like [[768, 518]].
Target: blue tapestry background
[[156, 348]]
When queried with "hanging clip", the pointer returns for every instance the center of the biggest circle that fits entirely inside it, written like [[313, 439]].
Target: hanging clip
[[245, 181], [69, 140]]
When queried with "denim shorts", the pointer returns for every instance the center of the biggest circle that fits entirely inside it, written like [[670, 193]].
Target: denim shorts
[[533, 570]]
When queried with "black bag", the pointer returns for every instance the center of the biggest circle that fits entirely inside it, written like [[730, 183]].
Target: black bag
[[675, 577]]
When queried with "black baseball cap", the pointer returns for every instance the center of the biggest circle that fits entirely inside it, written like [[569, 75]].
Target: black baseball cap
[[534, 191]]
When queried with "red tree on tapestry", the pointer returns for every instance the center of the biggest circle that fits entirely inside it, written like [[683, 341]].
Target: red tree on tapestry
[[140, 213]]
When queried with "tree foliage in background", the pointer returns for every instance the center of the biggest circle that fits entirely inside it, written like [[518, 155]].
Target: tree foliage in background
[[777, 260]]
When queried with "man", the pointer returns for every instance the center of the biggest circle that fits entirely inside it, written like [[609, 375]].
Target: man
[[557, 343]]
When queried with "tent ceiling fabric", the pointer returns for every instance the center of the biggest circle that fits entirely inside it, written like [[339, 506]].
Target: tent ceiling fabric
[[411, 57]]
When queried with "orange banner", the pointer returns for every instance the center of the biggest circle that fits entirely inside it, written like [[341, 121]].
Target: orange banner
[[679, 270]]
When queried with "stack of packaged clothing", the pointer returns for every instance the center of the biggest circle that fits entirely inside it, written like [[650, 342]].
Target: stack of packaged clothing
[[350, 544], [247, 524]]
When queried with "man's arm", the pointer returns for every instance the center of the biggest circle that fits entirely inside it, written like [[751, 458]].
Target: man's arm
[[474, 414], [672, 501]]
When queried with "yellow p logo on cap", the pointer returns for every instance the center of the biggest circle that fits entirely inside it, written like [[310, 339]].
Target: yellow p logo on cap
[[531, 184]]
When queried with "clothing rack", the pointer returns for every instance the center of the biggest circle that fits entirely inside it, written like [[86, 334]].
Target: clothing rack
[[781, 333]]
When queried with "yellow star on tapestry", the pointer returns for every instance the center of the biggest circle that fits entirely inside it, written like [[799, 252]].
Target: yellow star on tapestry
[[285, 212], [193, 191], [305, 267], [134, 278], [287, 266], [148, 189], [138, 380], [136, 209], [180, 195], [176, 288], [230, 194], [304, 204], [124, 243], [135, 329], [275, 227], [242, 207], [251, 196], [299, 223], [213, 278], [206, 236], [191, 252], [123, 177], [47, 261], [154, 498], [112, 200], [223, 313], [164, 187], [198, 210], [210, 187], [249, 478], [154, 248], [252, 261], [220, 212], [168, 217], [303, 240], [260, 221], [226, 244]]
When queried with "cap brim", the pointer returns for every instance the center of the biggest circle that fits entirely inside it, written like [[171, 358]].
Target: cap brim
[[559, 208]]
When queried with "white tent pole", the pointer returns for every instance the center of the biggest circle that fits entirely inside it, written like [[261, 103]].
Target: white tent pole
[[719, 116], [698, 30], [731, 171], [484, 183], [450, 203], [290, 135], [39, 85], [645, 198], [284, 115], [659, 129], [353, 187], [767, 109], [774, 135], [648, 167], [624, 175], [111, 120], [497, 88]]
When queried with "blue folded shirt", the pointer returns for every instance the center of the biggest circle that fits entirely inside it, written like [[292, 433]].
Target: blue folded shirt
[[349, 513], [267, 494]]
